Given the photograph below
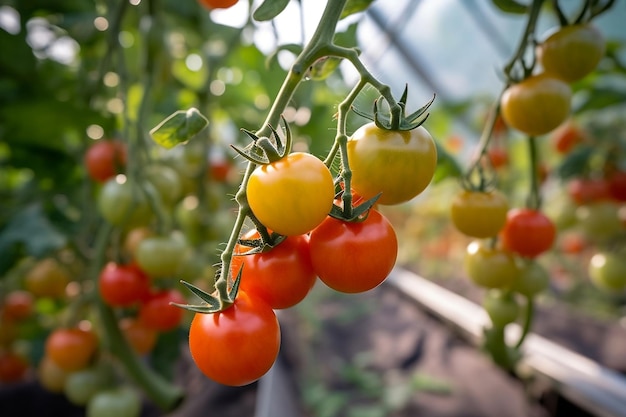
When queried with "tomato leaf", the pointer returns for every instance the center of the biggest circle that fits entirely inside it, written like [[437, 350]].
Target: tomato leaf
[[30, 228], [511, 6], [179, 128], [355, 6], [269, 10], [600, 98], [576, 162], [447, 165]]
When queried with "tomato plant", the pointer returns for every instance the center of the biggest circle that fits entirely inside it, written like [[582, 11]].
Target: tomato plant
[[528, 232], [105, 158], [536, 105], [123, 204], [141, 337], [599, 221], [479, 214], [17, 305], [82, 385], [490, 267], [51, 376], [118, 402], [399, 164], [47, 278], [498, 157], [157, 313], [617, 185], [71, 348], [123, 285], [218, 4], [292, 195], [588, 190], [13, 367], [567, 136], [571, 52], [608, 271], [161, 256], [501, 307], [238, 345], [533, 279], [356, 256], [281, 276]]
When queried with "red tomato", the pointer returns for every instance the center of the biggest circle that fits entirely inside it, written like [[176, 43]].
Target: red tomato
[[238, 345], [157, 313], [354, 257], [140, 337], [13, 367], [282, 276], [217, 4], [71, 348], [18, 305], [104, 159], [123, 285], [566, 137], [617, 185], [498, 157], [588, 190], [528, 232]]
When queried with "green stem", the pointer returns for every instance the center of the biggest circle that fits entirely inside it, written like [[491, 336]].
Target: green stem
[[529, 314], [160, 391], [523, 45], [534, 196]]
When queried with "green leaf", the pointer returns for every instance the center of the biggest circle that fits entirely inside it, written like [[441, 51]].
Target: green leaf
[[178, 128], [576, 162], [323, 67], [511, 6], [269, 9], [31, 229], [447, 165], [166, 353], [355, 6], [600, 98]]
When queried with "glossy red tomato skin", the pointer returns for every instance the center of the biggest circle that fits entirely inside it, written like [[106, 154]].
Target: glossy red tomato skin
[[123, 285], [536, 105], [528, 232], [354, 257], [157, 313], [104, 159], [282, 276], [71, 348], [217, 4], [238, 345]]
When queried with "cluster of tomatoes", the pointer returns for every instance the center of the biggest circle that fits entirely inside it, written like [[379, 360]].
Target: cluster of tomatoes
[[293, 196], [503, 258]]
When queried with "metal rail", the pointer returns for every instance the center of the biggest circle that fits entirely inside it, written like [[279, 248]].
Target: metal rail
[[582, 381]]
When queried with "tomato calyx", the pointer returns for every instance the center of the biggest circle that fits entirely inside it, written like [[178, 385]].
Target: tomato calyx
[[357, 213], [264, 150], [402, 122], [223, 297]]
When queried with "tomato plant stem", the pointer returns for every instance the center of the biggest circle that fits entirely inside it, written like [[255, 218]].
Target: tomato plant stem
[[529, 31], [165, 395], [529, 313], [534, 196]]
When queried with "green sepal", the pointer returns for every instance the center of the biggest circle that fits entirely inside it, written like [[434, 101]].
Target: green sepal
[[261, 151], [211, 300], [179, 127], [358, 212], [410, 122]]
